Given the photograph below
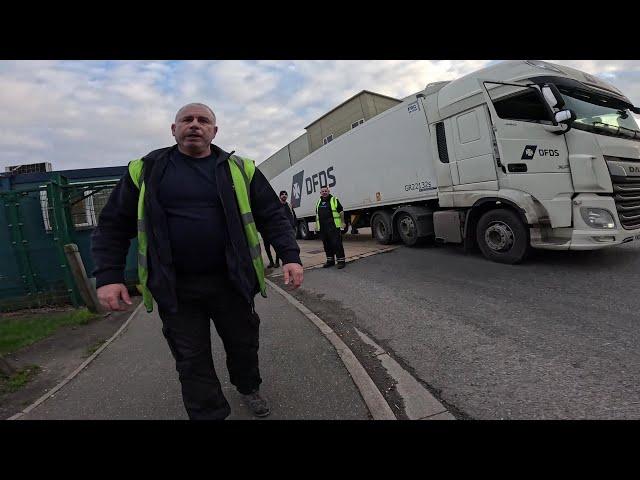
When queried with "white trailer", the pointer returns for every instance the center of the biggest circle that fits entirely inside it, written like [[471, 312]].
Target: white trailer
[[521, 154]]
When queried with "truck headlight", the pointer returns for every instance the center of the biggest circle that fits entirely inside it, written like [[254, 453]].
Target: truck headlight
[[597, 217]]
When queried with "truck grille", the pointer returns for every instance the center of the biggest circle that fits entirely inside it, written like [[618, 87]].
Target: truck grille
[[626, 193]]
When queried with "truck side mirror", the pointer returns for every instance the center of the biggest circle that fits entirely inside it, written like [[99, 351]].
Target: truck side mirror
[[565, 116], [552, 96]]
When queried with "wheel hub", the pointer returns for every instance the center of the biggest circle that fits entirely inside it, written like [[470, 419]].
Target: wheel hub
[[499, 237], [407, 227]]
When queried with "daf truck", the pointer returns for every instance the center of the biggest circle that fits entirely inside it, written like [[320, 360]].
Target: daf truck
[[518, 155]]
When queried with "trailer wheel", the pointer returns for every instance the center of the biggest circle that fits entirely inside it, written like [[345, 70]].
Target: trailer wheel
[[303, 231], [407, 229], [502, 236], [382, 229]]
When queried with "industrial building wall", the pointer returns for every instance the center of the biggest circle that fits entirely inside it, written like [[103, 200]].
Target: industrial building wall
[[336, 123], [380, 104], [363, 107], [299, 148], [285, 157], [276, 163]]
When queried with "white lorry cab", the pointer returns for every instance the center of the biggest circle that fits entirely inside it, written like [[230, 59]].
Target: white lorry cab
[[517, 155]]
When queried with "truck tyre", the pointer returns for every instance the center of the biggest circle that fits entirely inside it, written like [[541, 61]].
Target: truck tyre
[[502, 236], [303, 231], [408, 230], [381, 228]]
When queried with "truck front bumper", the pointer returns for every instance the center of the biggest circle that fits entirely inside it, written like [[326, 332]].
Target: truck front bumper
[[581, 236]]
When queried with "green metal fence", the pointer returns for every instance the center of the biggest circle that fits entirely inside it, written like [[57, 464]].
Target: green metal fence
[[35, 224]]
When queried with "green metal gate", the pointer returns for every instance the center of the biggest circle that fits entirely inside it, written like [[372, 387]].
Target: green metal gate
[[39, 221]]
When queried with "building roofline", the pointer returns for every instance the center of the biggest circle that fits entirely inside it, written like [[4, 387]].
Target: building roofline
[[348, 100]]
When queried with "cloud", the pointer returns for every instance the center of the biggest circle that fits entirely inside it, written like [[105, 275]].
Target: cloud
[[80, 114]]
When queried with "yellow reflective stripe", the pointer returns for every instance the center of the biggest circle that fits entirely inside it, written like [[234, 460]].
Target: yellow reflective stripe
[[135, 171], [242, 171]]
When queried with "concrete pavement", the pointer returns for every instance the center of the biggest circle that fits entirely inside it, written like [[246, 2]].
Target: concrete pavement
[[355, 247], [135, 378]]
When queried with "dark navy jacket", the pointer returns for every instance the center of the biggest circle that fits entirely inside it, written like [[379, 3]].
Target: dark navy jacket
[[117, 225]]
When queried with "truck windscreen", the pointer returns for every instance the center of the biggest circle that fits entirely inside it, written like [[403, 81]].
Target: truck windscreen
[[600, 114]]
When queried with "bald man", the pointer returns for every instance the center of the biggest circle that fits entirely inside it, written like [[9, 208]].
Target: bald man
[[198, 255]]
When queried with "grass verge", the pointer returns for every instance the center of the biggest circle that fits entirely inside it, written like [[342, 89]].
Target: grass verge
[[12, 383], [17, 333]]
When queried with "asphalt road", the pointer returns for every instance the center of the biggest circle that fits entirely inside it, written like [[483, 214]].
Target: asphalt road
[[554, 338]]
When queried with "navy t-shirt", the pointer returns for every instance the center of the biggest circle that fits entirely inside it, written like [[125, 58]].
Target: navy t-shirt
[[197, 229]]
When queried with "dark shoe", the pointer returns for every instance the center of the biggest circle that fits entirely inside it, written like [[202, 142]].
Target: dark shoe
[[271, 265], [277, 265], [341, 264], [258, 405], [328, 264]]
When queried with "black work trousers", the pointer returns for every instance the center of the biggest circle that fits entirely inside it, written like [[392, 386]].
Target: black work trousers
[[332, 242], [200, 299], [267, 247]]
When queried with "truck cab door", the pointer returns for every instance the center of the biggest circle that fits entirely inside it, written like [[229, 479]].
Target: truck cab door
[[533, 156], [523, 124]]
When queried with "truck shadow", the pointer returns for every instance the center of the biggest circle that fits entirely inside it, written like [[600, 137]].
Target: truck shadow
[[620, 257], [585, 259]]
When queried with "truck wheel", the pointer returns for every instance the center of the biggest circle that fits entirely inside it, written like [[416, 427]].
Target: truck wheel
[[303, 231], [407, 229], [502, 236], [381, 228]]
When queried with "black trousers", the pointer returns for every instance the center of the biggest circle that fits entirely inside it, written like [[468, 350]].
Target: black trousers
[[332, 242], [267, 247], [201, 298]]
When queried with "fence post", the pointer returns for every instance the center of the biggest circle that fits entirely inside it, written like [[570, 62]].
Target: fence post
[[87, 292], [61, 225]]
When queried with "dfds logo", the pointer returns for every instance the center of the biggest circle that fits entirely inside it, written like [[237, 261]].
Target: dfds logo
[[530, 150], [296, 189], [312, 184]]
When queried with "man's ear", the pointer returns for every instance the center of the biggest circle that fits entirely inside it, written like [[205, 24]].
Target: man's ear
[[215, 131], [173, 129]]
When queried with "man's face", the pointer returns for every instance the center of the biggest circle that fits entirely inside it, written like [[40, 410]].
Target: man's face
[[194, 129], [283, 198], [324, 192]]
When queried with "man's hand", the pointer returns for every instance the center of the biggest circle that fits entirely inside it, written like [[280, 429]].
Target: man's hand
[[293, 272], [110, 295]]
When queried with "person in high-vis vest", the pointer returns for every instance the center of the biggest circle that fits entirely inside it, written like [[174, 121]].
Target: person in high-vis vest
[[329, 222], [196, 211]]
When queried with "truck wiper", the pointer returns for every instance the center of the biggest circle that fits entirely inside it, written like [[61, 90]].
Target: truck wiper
[[620, 130]]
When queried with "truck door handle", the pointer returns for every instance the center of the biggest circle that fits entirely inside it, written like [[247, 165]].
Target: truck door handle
[[517, 167]]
